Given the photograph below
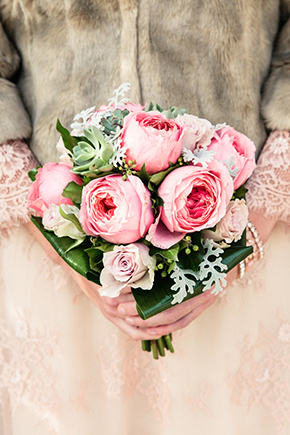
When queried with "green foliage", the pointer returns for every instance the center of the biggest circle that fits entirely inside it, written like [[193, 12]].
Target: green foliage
[[74, 192], [92, 153], [170, 113], [96, 252], [69, 141], [74, 256], [143, 175], [169, 254], [160, 297], [72, 218], [240, 193], [33, 172]]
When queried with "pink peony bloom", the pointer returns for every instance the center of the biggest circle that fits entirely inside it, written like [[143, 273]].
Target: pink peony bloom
[[117, 210], [231, 227], [194, 197], [236, 151], [127, 265], [151, 138], [48, 186]]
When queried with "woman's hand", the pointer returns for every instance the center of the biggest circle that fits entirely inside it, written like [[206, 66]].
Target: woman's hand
[[122, 310], [175, 318], [108, 306]]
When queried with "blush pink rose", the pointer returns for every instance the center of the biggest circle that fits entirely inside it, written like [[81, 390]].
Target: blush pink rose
[[231, 227], [48, 186], [151, 138], [197, 132], [119, 211], [236, 151], [127, 265], [194, 197]]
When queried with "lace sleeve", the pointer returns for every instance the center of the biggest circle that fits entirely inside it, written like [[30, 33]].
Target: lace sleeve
[[16, 160], [269, 186]]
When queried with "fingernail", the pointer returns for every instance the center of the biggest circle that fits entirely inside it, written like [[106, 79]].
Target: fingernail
[[151, 332], [122, 311], [130, 321]]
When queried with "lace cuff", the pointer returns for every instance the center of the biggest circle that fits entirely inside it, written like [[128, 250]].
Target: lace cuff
[[16, 160], [269, 186]]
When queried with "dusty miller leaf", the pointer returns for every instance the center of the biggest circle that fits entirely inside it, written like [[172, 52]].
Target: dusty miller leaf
[[183, 285]]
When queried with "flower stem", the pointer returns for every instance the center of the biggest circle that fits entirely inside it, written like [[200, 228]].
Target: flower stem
[[146, 345], [154, 349], [168, 342], [160, 345]]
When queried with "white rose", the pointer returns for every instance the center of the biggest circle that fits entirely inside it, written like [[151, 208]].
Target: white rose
[[64, 154], [127, 265], [231, 227], [53, 221], [197, 131]]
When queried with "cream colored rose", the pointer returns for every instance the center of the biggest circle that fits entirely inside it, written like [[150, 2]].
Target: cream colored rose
[[53, 221], [231, 227]]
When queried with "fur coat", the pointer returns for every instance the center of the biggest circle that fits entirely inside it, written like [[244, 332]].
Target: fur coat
[[228, 61]]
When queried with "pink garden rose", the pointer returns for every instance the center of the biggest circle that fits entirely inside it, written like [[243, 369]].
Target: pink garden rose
[[194, 197], [151, 138], [231, 227], [127, 265], [117, 210], [235, 150], [48, 186]]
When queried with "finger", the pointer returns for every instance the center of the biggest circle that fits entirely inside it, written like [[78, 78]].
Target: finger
[[181, 323], [123, 298], [173, 314], [133, 332], [128, 308]]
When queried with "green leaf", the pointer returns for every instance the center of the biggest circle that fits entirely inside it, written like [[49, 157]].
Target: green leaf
[[159, 176], [96, 257], [142, 174], [177, 111], [71, 217], [108, 126], [159, 298], [190, 261], [168, 114], [149, 107], [33, 172], [73, 191], [157, 107], [96, 253], [69, 141], [75, 257], [74, 245], [240, 193], [169, 254]]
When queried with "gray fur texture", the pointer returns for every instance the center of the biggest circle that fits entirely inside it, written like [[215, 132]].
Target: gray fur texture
[[212, 57], [15, 122]]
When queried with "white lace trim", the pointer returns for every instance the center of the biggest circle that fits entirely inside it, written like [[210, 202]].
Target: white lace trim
[[269, 186], [16, 160]]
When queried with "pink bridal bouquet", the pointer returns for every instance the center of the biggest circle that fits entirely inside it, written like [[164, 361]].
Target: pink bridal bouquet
[[147, 198]]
